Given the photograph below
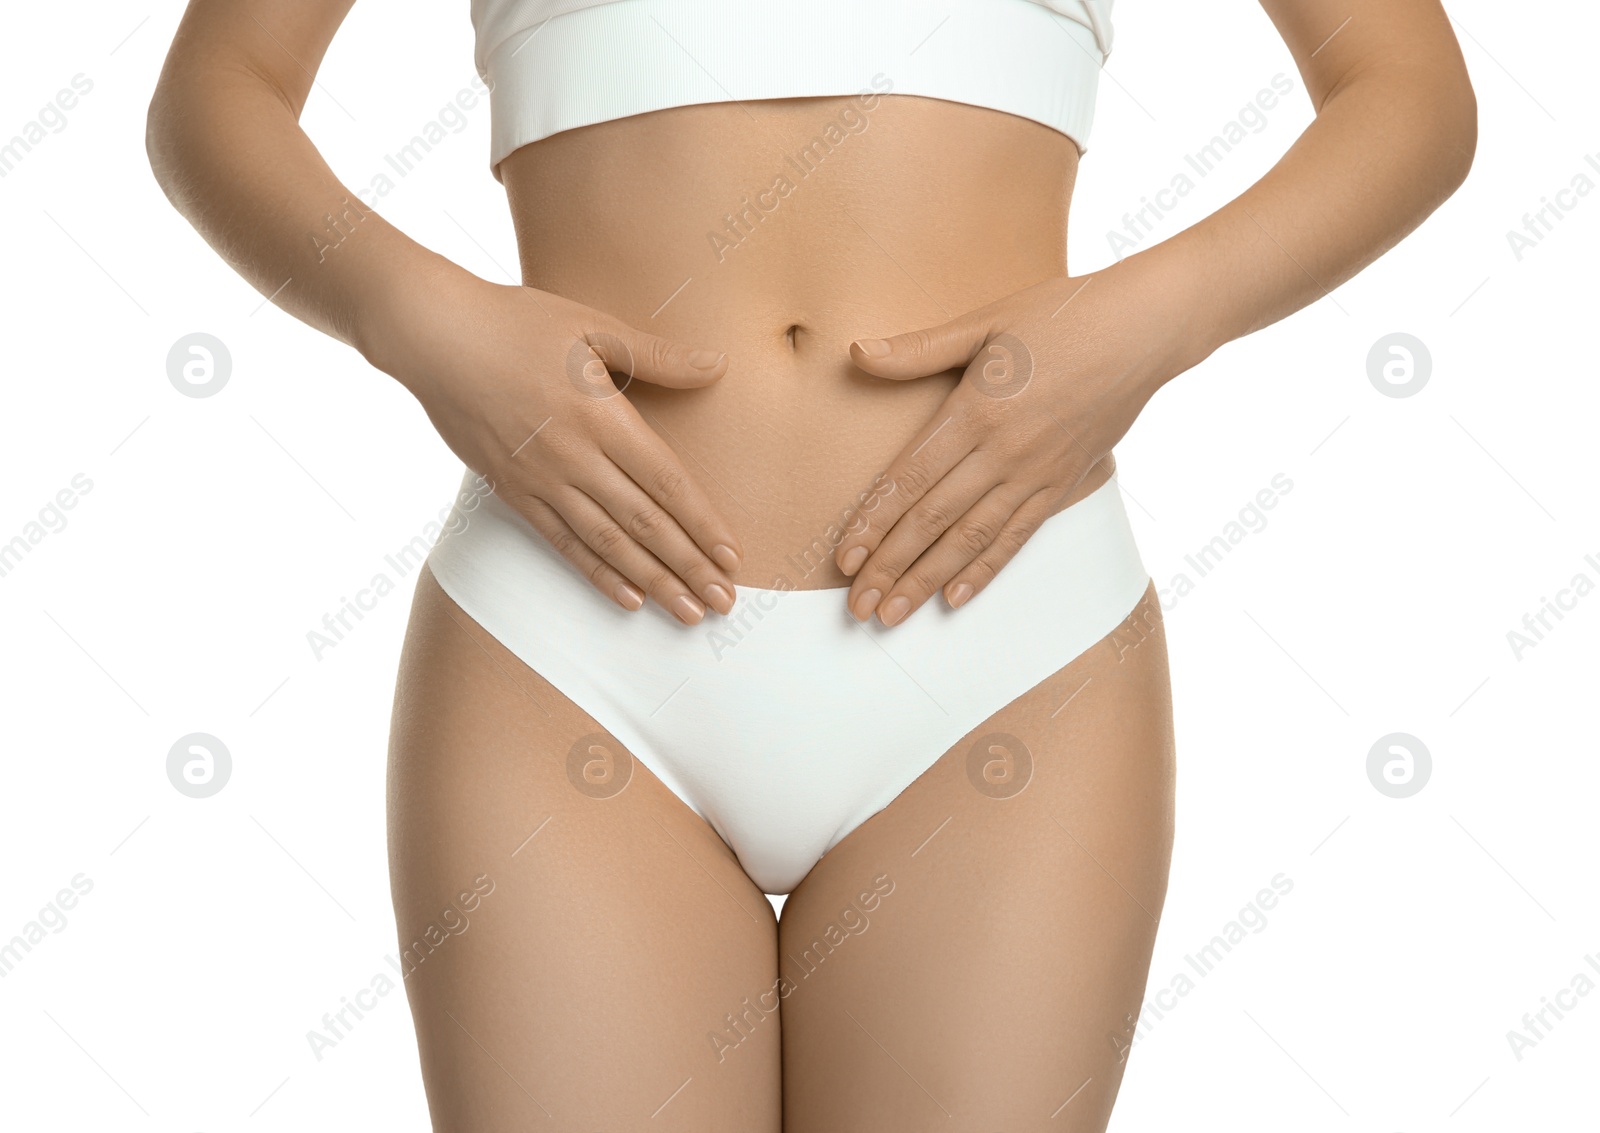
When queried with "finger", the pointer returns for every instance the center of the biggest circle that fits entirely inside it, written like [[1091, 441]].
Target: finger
[[609, 539], [605, 577], [962, 542], [918, 353], [928, 457], [976, 575], [923, 524], [648, 357], [654, 529], [647, 459]]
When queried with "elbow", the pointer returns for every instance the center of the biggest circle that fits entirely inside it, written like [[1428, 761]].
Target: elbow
[[1458, 133], [177, 123], [1427, 114], [152, 142], [1447, 120], [1435, 113], [1467, 146], [158, 138]]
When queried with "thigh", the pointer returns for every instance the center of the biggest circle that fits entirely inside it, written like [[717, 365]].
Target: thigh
[[973, 956], [580, 950]]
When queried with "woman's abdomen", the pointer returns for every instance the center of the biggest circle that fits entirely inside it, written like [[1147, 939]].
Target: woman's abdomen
[[779, 231]]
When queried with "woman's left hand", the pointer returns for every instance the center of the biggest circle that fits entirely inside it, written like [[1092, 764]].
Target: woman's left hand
[[1054, 377]]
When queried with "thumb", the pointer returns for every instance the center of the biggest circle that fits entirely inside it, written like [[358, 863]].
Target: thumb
[[654, 359], [918, 353]]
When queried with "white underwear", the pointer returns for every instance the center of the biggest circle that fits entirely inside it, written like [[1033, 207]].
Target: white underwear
[[787, 723]]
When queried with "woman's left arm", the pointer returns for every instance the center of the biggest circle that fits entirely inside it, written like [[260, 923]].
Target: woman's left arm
[[1056, 374]]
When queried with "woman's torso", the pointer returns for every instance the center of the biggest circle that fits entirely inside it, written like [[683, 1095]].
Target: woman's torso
[[850, 217]]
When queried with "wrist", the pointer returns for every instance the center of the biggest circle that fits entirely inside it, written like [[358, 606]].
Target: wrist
[[408, 297], [1182, 329]]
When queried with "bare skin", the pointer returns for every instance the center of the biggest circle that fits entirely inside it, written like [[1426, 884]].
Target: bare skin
[[794, 428], [966, 958], [1011, 938], [495, 366]]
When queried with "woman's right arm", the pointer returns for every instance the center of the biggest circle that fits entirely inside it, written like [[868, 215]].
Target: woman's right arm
[[514, 379]]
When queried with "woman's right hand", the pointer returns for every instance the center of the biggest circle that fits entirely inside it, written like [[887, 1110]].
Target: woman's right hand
[[516, 381]]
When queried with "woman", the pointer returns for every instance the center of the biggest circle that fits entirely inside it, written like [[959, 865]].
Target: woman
[[796, 349]]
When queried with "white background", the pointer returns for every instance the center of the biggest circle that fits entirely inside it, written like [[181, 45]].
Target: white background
[[218, 531]]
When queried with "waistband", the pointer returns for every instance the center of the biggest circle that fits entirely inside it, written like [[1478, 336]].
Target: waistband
[[492, 561], [1024, 57]]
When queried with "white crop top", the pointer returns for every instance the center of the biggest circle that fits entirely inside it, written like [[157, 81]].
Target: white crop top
[[554, 65]]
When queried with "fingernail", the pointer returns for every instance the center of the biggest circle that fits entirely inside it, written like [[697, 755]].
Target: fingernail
[[959, 593], [872, 347], [705, 359], [720, 599], [628, 596], [687, 610], [853, 558], [895, 610], [725, 557], [865, 603]]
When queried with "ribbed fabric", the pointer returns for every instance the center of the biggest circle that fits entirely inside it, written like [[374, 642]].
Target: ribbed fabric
[[555, 65]]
